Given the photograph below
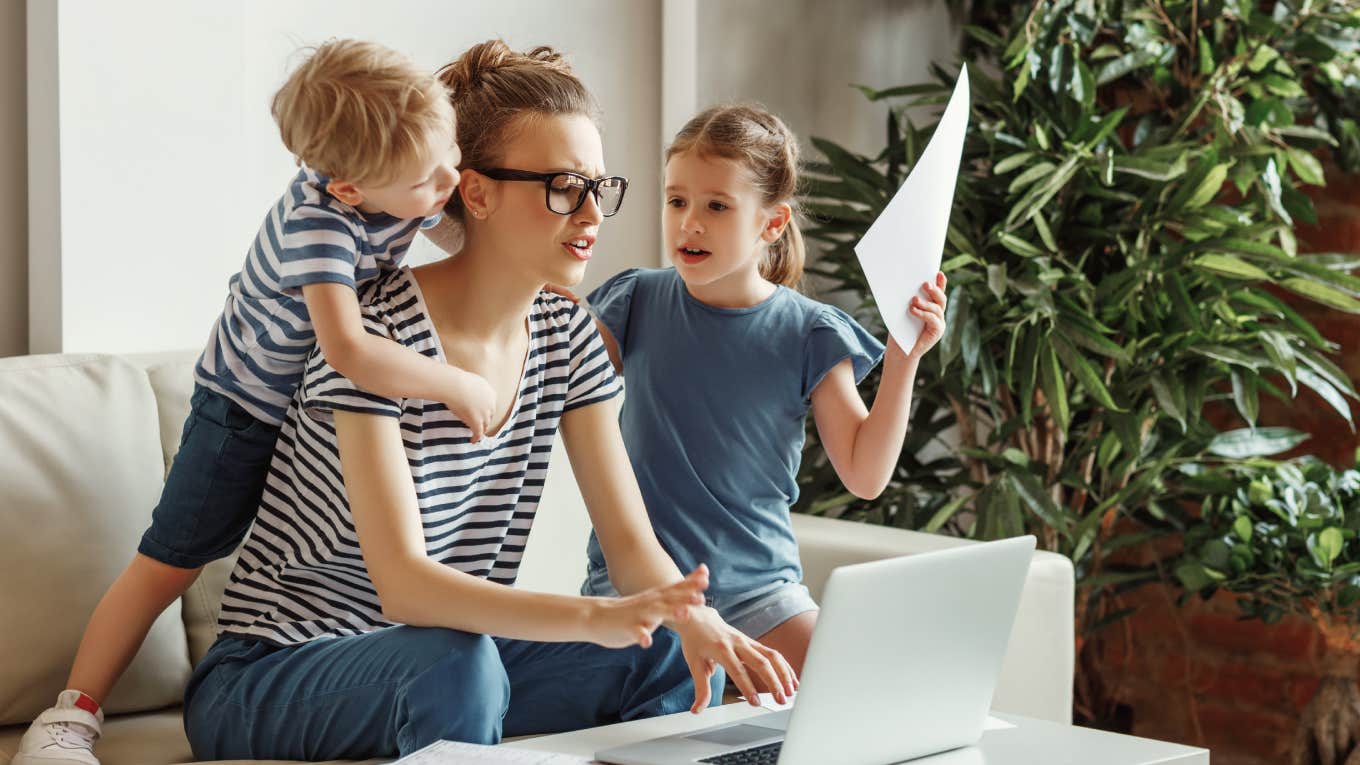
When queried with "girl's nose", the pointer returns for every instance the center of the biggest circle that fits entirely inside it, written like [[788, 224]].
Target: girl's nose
[[690, 225]]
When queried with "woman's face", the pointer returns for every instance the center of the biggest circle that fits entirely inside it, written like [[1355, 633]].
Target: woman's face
[[550, 247]]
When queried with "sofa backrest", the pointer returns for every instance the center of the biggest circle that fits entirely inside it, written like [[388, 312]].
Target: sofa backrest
[[82, 469]]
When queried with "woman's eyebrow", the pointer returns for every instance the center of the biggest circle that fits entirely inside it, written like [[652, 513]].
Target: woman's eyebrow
[[587, 172]]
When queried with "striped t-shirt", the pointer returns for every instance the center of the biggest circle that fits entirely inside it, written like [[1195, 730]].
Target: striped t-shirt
[[301, 575], [258, 346]]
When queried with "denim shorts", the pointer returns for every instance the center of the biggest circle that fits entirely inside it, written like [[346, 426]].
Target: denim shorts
[[212, 492], [753, 612]]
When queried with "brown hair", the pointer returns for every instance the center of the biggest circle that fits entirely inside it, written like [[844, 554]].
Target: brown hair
[[763, 144], [494, 89], [359, 111]]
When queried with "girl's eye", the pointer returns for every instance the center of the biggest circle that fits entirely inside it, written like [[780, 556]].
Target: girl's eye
[[675, 202], [717, 206]]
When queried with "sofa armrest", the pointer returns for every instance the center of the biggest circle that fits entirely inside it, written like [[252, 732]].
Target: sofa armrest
[[1036, 676]]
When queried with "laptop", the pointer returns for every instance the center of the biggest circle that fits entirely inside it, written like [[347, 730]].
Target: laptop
[[902, 665]]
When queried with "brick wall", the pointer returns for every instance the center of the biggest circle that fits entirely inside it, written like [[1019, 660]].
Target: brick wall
[[1196, 674]]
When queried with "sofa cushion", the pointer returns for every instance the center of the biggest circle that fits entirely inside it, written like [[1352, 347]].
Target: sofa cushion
[[82, 471]]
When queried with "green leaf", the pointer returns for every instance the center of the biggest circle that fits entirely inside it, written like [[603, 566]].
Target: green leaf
[[1018, 246], [1055, 389], [1171, 400], [1208, 188], [1085, 373], [1330, 394], [1245, 396], [1041, 170], [1307, 166], [1152, 169], [942, 516], [1321, 293], [1037, 499], [1261, 442], [1330, 542], [1242, 527], [1012, 162], [1227, 265]]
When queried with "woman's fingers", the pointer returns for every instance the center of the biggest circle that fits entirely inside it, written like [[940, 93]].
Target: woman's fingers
[[759, 662], [737, 671], [787, 677], [701, 670]]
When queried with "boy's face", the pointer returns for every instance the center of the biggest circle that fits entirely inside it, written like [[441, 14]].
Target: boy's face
[[421, 188]]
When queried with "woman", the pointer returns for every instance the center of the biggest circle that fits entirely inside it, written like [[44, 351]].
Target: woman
[[358, 620]]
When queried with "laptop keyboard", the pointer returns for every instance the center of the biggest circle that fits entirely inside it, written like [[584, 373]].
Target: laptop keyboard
[[760, 755]]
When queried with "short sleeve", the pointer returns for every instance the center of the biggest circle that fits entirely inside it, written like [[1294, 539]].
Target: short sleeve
[[591, 378], [612, 302], [324, 390], [316, 244], [431, 222], [834, 337]]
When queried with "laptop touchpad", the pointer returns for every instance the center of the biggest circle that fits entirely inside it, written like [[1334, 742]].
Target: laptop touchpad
[[735, 735]]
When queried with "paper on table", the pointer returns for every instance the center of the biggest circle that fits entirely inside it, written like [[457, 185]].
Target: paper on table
[[902, 248], [767, 700], [458, 753]]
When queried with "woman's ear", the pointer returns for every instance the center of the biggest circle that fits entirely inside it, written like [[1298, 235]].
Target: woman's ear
[[477, 193], [345, 192], [774, 225]]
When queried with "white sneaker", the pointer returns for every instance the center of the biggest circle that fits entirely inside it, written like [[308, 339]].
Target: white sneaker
[[62, 735]]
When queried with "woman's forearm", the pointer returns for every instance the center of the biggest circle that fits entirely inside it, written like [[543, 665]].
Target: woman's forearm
[[424, 593]]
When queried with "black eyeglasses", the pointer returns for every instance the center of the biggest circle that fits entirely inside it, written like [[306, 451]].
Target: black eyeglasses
[[566, 191]]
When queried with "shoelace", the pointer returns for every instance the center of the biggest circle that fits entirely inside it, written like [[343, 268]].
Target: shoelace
[[72, 736]]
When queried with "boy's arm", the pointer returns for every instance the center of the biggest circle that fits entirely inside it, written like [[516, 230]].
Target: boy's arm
[[387, 368]]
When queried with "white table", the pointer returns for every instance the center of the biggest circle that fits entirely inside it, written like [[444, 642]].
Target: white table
[[1030, 742]]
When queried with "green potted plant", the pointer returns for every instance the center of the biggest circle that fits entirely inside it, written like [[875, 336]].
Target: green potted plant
[[1283, 536], [1121, 236]]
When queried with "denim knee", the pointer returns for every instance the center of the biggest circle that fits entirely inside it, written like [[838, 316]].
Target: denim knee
[[462, 696]]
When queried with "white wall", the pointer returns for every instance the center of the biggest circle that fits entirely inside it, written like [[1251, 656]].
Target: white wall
[[167, 159], [13, 183]]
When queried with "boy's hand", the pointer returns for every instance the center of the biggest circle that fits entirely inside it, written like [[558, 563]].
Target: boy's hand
[[472, 400], [563, 291], [930, 311]]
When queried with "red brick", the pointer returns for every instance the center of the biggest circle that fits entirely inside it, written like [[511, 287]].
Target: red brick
[[1302, 689], [1291, 639], [1229, 730], [1246, 685]]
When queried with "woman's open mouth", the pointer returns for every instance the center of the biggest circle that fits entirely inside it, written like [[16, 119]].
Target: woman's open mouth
[[580, 248]]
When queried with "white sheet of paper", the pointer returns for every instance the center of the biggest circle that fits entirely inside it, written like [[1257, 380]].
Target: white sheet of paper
[[458, 753], [767, 700], [902, 249]]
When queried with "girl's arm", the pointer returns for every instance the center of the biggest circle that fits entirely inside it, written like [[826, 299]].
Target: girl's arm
[[864, 444], [413, 589], [379, 365], [636, 559]]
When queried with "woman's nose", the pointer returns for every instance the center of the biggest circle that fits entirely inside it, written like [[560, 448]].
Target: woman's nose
[[589, 211]]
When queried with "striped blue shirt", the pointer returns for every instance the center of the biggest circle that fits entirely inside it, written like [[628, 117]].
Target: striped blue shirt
[[301, 576], [258, 346]]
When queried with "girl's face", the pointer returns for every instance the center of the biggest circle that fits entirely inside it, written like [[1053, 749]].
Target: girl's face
[[715, 223], [531, 239]]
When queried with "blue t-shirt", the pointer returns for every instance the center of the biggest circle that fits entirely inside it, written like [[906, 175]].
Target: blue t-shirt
[[714, 416]]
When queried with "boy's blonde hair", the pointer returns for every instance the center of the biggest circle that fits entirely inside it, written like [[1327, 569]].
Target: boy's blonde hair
[[762, 144], [360, 112]]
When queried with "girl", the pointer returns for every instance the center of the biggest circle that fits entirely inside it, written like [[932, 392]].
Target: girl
[[358, 620], [724, 358]]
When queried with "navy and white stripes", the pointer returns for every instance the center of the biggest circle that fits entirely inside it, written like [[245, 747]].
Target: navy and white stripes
[[301, 575], [256, 350]]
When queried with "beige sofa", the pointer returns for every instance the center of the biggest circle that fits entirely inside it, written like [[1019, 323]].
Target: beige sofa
[[84, 444]]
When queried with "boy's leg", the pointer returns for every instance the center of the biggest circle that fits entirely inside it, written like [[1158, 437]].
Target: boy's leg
[[121, 622], [381, 694], [557, 687]]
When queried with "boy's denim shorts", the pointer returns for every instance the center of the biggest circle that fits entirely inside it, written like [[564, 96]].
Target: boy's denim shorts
[[212, 492], [753, 612]]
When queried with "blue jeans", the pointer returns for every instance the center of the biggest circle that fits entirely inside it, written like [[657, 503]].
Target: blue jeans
[[212, 492], [390, 692]]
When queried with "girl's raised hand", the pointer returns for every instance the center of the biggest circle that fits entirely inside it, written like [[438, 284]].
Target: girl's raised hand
[[931, 311]]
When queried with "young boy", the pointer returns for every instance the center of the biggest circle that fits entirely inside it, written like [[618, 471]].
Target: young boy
[[374, 136]]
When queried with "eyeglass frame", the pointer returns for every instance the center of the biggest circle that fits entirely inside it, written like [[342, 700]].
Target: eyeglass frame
[[592, 185]]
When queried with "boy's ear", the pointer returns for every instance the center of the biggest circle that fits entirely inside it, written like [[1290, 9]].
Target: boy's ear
[[345, 192], [774, 225], [477, 193]]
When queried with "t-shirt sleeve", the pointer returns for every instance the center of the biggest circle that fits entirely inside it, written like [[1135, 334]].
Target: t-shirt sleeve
[[612, 302], [316, 244], [591, 377], [324, 390], [834, 337], [431, 222]]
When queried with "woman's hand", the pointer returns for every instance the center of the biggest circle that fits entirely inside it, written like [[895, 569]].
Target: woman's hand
[[930, 311], [708, 641], [622, 622]]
